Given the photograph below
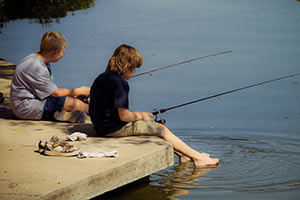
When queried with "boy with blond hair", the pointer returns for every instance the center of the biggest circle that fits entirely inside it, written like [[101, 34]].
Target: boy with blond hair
[[34, 95], [109, 107]]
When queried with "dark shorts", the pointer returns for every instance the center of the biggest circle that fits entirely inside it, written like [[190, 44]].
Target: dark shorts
[[52, 105]]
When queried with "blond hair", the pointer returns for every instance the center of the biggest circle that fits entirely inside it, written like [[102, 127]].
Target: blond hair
[[125, 58], [52, 41]]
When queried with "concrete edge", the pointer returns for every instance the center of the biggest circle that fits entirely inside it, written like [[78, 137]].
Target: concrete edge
[[119, 176]]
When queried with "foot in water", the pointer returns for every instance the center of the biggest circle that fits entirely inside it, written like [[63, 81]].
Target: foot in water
[[184, 159], [205, 155], [205, 161]]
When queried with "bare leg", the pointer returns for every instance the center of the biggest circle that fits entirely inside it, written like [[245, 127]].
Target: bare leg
[[182, 158], [183, 149], [72, 104]]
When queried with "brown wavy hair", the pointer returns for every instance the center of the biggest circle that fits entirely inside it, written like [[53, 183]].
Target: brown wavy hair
[[52, 41], [125, 58]]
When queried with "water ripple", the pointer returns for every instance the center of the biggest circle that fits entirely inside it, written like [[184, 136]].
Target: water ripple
[[250, 162]]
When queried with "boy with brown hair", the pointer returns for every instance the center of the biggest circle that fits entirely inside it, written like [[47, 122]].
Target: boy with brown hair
[[109, 107], [34, 95]]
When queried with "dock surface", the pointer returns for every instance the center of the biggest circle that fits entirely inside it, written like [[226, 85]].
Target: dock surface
[[26, 174]]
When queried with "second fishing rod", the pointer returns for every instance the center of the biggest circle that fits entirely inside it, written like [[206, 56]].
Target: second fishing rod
[[156, 113], [180, 63]]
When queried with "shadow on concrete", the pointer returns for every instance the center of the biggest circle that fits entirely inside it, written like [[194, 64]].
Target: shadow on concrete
[[69, 128], [6, 113], [135, 140], [84, 128], [14, 121], [34, 124]]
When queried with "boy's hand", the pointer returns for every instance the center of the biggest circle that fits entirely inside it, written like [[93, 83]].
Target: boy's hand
[[147, 116], [84, 91]]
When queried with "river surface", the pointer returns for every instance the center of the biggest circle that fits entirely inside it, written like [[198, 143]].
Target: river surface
[[254, 132]]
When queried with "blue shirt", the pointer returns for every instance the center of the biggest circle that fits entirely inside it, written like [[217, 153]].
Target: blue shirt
[[108, 93]]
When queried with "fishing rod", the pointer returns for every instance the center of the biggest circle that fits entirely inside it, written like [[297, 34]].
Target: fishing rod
[[186, 61], [87, 99], [217, 95]]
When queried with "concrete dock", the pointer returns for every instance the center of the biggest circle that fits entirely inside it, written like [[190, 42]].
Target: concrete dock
[[26, 174]]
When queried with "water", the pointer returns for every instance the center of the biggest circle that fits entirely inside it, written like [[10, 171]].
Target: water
[[254, 132], [253, 166]]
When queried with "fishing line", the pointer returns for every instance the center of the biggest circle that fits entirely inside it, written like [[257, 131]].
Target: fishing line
[[87, 99], [221, 94], [186, 61]]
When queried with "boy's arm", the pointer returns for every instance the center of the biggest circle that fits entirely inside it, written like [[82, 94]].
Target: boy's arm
[[82, 91], [131, 116]]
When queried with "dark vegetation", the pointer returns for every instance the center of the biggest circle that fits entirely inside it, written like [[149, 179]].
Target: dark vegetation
[[40, 11]]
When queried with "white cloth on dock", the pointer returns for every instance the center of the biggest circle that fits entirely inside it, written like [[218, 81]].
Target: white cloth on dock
[[77, 136], [98, 154]]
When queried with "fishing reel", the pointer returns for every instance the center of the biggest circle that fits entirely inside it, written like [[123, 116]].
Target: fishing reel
[[158, 119], [84, 99], [161, 121]]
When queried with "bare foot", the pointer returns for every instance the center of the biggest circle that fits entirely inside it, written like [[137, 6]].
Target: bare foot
[[203, 161], [205, 155], [184, 159]]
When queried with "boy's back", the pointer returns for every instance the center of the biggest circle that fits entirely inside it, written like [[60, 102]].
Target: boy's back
[[108, 92], [31, 84], [34, 95]]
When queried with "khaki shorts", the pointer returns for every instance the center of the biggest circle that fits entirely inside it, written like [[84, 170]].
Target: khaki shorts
[[138, 128]]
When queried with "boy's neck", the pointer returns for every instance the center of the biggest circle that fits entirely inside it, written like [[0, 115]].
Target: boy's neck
[[43, 57]]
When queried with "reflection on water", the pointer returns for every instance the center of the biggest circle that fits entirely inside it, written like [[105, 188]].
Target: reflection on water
[[173, 183], [180, 179], [42, 12]]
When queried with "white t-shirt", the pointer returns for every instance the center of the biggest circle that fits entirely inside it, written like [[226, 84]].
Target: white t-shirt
[[32, 83]]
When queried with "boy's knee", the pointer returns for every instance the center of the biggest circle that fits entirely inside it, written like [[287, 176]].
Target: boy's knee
[[70, 103], [142, 127]]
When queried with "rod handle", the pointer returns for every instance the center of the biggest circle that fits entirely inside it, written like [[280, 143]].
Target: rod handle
[[159, 111]]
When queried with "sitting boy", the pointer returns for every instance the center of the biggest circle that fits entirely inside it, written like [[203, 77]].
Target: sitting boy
[[109, 107], [34, 95]]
